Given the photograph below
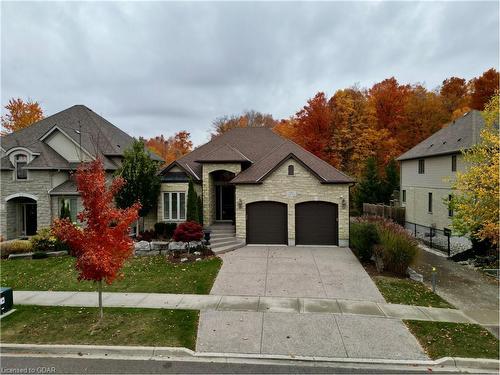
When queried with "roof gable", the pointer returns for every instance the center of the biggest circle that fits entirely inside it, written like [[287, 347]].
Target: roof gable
[[458, 135], [263, 148]]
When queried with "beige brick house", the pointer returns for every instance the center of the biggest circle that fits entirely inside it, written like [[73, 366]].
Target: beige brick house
[[37, 162], [272, 190]]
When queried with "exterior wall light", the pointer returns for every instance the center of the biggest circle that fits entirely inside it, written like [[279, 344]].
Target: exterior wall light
[[343, 202], [240, 204]]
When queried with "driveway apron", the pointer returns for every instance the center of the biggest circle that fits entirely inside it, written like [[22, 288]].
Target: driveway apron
[[306, 272]]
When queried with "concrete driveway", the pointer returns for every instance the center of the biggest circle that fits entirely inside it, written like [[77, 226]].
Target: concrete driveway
[[308, 272], [283, 271]]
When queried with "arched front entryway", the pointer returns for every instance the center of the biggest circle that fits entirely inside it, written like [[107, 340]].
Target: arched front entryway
[[21, 211], [316, 223], [224, 195]]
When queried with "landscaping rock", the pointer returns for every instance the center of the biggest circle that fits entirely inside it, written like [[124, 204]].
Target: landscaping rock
[[142, 246], [415, 275], [20, 256], [183, 260], [195, 244], [57, 253], [160, 246], [197, 253], [177, 246]]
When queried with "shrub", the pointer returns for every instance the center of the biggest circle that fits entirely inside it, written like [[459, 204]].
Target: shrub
[[147, 235], [14, 247], [199, 202], [160, 229], [398, 249], [363, 237], [188, 231], [44, 240], [165, 230]]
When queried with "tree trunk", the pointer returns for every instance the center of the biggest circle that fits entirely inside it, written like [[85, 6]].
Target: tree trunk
[[101, 312]]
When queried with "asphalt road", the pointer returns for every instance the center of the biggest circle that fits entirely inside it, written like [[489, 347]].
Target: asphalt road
[[65, 365]]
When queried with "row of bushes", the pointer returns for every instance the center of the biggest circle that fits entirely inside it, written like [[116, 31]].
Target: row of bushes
[[41, 243], [162, 231], [382, 240]]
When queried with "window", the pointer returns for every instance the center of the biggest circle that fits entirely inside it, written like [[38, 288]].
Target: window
[[20, 162], [430, 203], [453, 163], [421, 166], [404, 196], [68, 203], [450, 208], [290, 170], [174, 206]]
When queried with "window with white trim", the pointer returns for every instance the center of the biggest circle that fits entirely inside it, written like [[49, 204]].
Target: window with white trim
[[174, 206], [20, 161]]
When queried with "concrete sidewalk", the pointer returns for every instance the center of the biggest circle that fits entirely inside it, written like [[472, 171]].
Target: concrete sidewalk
[[254, 304]]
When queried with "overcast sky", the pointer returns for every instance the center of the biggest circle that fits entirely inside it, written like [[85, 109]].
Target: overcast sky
[[161, 67]]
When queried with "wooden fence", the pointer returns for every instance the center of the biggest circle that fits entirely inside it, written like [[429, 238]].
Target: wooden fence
[[396, 214]]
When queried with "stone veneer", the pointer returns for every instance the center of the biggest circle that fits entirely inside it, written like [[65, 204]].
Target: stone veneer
[[303, 186], [209, 187], [37, 184]]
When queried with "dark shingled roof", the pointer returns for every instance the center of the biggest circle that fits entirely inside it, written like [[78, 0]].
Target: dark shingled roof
[[224, 154], [263, 148], [98, 135], [68, 187], [5, 164], [458, 135]]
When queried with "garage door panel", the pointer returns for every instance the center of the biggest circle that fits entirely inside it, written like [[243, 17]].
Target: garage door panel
[[316, 223], [266, 223]]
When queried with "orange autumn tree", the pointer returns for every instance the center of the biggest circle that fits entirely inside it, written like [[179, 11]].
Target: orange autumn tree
[[171, 148], [21, 115], [102, 244], [484, 88]]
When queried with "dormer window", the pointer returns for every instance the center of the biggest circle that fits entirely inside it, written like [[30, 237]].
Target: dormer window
[[291, 171], [20, 161]]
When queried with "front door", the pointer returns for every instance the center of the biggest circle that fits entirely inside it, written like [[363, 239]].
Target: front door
[[224, 200], [28, 219]]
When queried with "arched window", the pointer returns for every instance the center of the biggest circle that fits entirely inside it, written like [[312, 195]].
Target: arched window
[[20, 161], [290, 170]]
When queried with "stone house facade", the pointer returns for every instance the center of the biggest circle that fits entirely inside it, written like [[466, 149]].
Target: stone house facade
[[37, 165], [270, 189]]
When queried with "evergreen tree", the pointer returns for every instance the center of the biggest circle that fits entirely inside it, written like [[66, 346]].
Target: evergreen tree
[[200, 210], [192, 203], [142, 182], [65, 210], [391, 181], [369, 189]]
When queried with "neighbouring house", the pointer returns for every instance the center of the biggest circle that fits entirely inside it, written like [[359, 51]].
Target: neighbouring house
[[428, 171], [37, 162], [271, 189]]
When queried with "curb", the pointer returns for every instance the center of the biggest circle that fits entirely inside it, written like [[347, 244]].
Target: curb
[[184, 354]]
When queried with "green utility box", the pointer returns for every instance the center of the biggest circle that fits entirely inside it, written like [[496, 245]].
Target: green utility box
[[6, 300]]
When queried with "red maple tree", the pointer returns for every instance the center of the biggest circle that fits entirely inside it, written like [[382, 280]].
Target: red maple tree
[[102, 244]]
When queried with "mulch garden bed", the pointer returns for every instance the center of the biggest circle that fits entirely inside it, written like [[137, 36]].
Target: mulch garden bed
[[189, 257]]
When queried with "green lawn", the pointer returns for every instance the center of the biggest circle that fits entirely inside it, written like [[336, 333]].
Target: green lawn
[[440, 339], [408, 292], [141, 274], [119, 326]]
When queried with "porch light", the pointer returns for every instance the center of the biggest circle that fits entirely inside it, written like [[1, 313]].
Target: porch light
[[240, 204], [343, 202]]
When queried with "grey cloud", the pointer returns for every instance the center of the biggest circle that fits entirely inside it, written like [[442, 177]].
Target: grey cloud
[[160, 67]]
